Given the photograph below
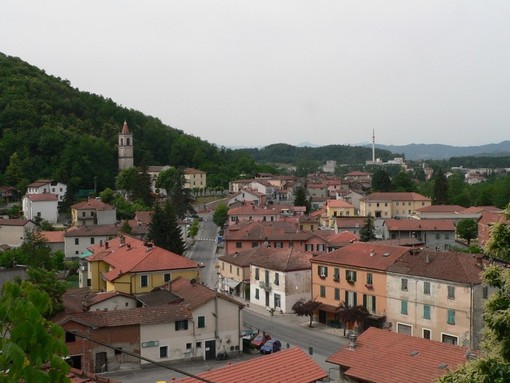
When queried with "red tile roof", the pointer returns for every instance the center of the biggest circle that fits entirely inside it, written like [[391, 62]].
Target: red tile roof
[[129, 317], [349, 222], [382, 356], [94, 230], [343, 238], [479, 209], [284, 260], [13, 222], [80, 376], [395, 196], [291, 365], [39, 183], [252, 210], [42, 197], [448, 266], [339, 203], [361, 254], [441, 209], [419, 224], [92, 203], [125, 128], [134, 256], [53, 236], [271, 231]]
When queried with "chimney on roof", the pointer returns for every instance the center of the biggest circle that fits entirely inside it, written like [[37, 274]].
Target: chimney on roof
[[372, 252], [479, 261], [100, 243], [352, 341], [106, 244], [427, 258], [122, 239]]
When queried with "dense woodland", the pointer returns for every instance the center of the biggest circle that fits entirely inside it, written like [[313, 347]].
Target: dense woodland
[[48, 129]]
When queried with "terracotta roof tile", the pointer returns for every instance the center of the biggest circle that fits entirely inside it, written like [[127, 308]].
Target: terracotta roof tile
[[287, 366], [52, 236], [382, 356], [42, 197], [441, 209], [92, 203], [94, 230], [420, 224], [134, 256], [14, 222], [395, 196], [194, 295], [127, 317], [285, 260], [271, 231], [339, 203], [361, 254], [448, 266], [343, 238]]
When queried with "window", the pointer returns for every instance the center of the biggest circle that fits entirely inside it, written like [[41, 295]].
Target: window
[[266, 276], [144, 280], [254, 244], [369, 279], [198, 345], [166, 277], [257, 275], [351, 299], [451, 292], [188, 346], [92, 240], [369, 303], [350, 276], [337, 294], [237, 270], [278, 245], [320, 247], [450, 339], [77, 241], [438, 236], [426, 288], [239, 245], [426, 311], [70, 337], [426, 334], [446, 236], [83, 214], [163, 352], [323, 271], [201, 321], [336, 274], [451, 317], [403, 307], [308, 247], [181, 325], [230, 269], [485, 292], [277, 301], [277, 279], [403, 284], [323, 292], [257, 294]]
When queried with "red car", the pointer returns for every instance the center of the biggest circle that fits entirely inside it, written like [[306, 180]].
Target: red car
[[260, 339]]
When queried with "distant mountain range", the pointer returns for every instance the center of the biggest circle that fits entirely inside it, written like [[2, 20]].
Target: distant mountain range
[[443, 152]]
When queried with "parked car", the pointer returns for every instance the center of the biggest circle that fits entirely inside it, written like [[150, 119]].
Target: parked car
[[272, 345], [260, 339]]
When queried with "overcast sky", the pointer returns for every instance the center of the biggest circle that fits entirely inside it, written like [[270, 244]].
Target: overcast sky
[[253, 73]]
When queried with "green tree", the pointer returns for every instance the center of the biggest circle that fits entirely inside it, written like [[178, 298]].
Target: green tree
[[367, 232], [467, 229], [440, 192], [126, 227], [126, 180], [164, 230], [352, 316], [33, 348], [381, 181], [498, 244], [402, 182], [180, 196], [300, 196], [194, 227], [47, 281], [220, 214], [107, 196]]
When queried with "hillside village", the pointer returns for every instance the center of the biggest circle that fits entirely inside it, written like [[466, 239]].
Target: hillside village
[[411, 285]]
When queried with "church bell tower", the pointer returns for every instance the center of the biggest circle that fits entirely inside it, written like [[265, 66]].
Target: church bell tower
[[126, 159]]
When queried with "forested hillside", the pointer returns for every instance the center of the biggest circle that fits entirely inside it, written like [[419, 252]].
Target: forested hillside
[[48, 129], [343, 154]]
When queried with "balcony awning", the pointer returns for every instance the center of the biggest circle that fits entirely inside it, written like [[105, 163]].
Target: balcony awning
[[232, 283]]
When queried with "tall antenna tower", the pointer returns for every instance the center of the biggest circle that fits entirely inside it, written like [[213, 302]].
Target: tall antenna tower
[[373, 145]]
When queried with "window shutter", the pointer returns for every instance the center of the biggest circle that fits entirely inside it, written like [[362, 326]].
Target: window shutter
[[373, 303], [364, 300], [355, 303]]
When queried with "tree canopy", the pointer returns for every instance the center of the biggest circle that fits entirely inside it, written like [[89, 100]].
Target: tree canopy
[[306, 308]]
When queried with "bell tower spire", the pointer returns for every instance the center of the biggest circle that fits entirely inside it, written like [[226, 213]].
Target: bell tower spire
[[126, 159]]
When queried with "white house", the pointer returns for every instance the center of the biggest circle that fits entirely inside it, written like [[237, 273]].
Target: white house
[[78, 238], [93, 212], [280, 279], [41, 206], [48, 186]]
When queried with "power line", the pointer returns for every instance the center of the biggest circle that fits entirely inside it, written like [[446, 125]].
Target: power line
[[138, 356]]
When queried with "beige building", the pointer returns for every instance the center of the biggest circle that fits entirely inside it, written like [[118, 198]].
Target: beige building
[[438, 296], [195, 178], [13, 231], [392, 204]]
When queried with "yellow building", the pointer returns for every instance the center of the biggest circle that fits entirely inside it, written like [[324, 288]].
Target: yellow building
[[392, 204], [129, 265]]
